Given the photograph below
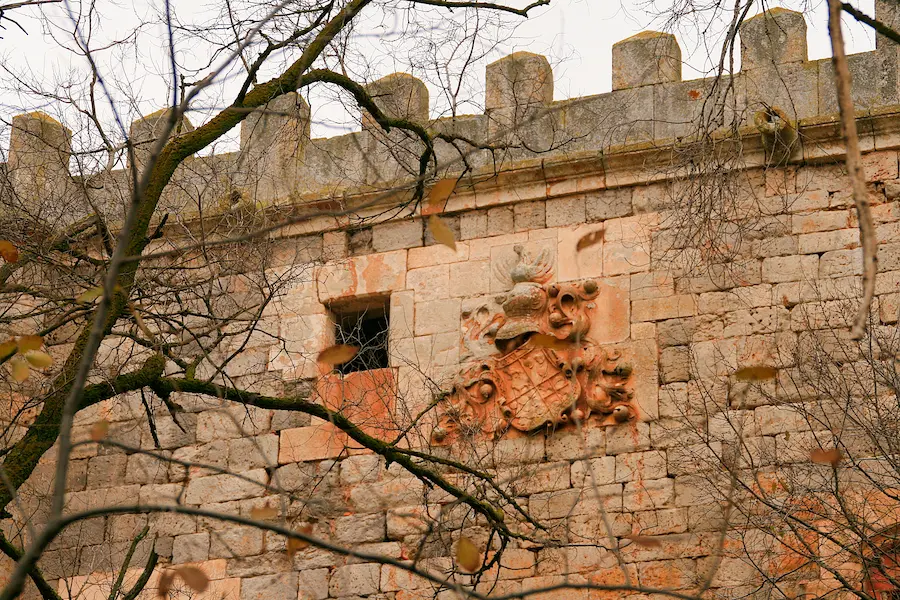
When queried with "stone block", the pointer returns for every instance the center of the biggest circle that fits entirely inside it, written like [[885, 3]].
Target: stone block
[[399, 96], [145, 132], [790, 268], [774, 37], [627, 437], [268, 587], [520, 79], [355, 580], [841, 263], [193, 547], [571, 445], [397, 235], [430, 283], [316, 442], [431, 255], [647, 58], [362, 275], [841, 239], [820, 221], [106, 471], [473, 224], [356, 529], [561, 212], [594, 471], [608, 204], [579, 263], [222, 488], [470, 278], [674, 364], [142, 468], [658, 309], [529, 215], [500, 221], [312, 584], [649, 494], [335, 245], [635, 466], [253, 452], [437, 316], [172, 434], [235, 540], [411, 520]]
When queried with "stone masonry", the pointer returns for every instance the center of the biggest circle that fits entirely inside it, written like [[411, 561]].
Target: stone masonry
[[682, 330]]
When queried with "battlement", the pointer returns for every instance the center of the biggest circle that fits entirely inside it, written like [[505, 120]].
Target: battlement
[[279, 163]]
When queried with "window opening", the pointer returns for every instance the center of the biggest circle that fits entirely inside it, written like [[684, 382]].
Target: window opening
[[364, 325]]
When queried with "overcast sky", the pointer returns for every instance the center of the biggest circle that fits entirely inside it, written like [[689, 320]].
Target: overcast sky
[[577, 36]]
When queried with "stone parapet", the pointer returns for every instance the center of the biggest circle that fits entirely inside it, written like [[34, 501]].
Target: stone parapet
[[648, 104]]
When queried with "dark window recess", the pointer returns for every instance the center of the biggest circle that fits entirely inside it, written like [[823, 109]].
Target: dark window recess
[[365, 327]]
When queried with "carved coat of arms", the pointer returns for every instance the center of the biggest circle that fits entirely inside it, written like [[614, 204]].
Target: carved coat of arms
[[546, 371]]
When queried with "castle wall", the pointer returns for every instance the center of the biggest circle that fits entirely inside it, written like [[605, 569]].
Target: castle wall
[[681, 319]]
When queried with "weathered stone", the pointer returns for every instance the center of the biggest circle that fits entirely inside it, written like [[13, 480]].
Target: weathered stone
[[646, 58], [221, 488], [397, 235], [192, 547], [359, 580], [264, 587], [356, 529]]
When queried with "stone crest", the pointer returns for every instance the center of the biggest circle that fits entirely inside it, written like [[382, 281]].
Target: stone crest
[[546, 371]]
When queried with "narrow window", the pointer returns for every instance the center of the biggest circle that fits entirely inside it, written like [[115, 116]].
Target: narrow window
[[364, 325]]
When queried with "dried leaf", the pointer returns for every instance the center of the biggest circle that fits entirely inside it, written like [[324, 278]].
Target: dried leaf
[[758, 373], [542, 340], [38, 359], [441, 233], [194, 578], [467, 555], [165, 583], [590, 239], [295, 545], [27, 343], [261, 513], [441, 191], [8, 251], [140, 321], [19, 368], [826, 457], [89, 295], [7, 349], [338, 355], [100, 430], [644, 540]]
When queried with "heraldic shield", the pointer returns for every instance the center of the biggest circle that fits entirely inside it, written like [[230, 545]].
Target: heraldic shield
[[538, 392], [547, 371]]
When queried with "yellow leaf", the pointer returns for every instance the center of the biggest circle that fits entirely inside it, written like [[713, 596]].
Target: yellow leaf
[[100, 430], [89, 295], [441, 233], [643, 540], [30, 342], [337, 355], [165, 583], [38, 359], [542, 340], [759, 373], [194, 578], [826, 457], [20, 369], [8, 251], [7, 349], [261, 513], [295, 545], [467, 555], [588, 240], [441, 191]]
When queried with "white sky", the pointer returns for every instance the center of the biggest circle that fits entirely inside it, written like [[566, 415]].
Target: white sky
[[576, 35]]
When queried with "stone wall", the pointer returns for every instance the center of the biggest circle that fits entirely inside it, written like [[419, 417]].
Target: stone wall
[[683, 327]]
